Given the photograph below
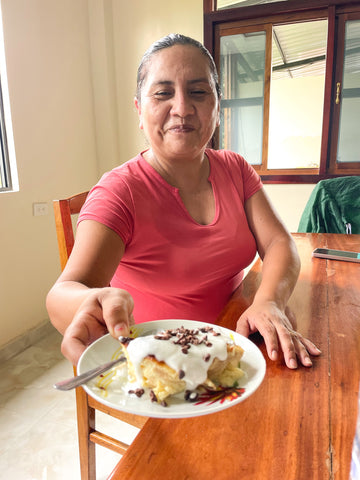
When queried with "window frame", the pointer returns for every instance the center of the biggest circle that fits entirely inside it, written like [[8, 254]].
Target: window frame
[[8, 169], [336, 12], [5, 171]]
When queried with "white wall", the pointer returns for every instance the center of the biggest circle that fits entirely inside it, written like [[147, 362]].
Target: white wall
[[48, 66], [71, 71], [289, 201]]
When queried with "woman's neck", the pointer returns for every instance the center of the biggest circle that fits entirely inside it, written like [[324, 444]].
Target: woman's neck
[[186, 175]]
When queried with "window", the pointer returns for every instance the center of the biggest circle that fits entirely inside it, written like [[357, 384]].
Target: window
[[290, 78], [5, 177], [8, 174]]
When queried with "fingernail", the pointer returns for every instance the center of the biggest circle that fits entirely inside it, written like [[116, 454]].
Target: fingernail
[[274, 355], [307, 361], [293, 363], [119, 328]]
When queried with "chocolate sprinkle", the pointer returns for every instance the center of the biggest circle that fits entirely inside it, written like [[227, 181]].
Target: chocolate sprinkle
[[139, 392], [185, 337]]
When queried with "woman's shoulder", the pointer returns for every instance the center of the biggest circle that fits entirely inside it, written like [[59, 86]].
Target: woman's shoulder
[[227, 156], [126, 170], [228, 159], [235, 167]]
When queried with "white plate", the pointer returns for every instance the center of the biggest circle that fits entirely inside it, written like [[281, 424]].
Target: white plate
[[114, 392]]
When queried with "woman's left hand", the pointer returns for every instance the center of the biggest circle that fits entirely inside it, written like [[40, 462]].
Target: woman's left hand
[[277, 327]]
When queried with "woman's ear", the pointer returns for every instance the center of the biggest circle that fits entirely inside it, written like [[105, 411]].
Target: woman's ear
[[138, 108]]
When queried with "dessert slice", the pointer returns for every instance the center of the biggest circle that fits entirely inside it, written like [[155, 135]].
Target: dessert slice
[[181, 359]]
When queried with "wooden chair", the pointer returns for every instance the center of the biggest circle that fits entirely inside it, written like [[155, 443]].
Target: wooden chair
[[86, 406]]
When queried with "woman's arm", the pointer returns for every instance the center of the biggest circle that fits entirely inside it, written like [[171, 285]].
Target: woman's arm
[[81, 305], [268, 313]]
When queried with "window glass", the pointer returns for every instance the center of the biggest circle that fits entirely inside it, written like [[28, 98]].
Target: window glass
[[349, 138], [222, 4], [297, 95], [242, 70], [8, 173]]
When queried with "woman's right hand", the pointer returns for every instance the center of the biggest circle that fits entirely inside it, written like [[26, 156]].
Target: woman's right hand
[[104, 310]]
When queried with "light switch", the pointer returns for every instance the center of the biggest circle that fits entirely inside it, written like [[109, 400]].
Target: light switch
[[39, 209]]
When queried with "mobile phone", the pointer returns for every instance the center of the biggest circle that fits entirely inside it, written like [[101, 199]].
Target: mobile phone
[[336, 254]]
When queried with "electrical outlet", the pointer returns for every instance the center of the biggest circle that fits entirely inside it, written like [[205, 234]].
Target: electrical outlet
[[40, 209]]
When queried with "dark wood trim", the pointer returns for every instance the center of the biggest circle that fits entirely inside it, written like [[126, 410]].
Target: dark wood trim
[[330, 67], [337, 81], [209, 6], [337, 168], [229, 21], [267, 83], [267, 9], [279, 179]]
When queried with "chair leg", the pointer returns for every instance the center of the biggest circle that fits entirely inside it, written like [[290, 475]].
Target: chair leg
[[85, 424]]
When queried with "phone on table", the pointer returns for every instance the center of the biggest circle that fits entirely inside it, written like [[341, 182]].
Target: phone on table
[[336, 254]]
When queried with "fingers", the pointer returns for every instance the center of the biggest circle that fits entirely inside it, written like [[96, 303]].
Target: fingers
[[104, 310], [117, 307], [79, 335], [278, 332], [296, 348]]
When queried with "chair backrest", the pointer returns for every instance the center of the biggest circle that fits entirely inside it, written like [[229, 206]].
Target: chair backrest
[[333, 207], [86, 406], [64, 209]]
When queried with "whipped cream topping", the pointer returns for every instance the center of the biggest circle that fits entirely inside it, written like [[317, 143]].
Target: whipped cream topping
[[189, 352]]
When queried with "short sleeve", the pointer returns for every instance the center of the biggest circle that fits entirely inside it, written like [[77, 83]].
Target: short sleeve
[[110, 203], [251, 179], [244, 177]]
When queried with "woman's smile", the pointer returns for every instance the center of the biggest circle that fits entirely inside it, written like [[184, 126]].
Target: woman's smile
[[180, 128]]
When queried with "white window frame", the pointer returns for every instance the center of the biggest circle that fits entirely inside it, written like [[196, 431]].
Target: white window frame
[[8, 170]]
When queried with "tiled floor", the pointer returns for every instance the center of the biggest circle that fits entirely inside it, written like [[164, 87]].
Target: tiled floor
[[38, 437]]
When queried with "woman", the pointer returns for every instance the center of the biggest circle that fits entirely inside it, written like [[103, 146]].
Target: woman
[[172, 230]]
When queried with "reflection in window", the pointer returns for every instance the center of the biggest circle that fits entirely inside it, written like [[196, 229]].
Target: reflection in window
[[297, 95], [242, 70], [222, 4], [349, 138]]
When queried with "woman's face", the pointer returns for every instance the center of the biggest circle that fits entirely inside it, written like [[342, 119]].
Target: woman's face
[[179, 107]]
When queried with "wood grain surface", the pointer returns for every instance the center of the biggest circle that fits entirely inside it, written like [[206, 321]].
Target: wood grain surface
[[299, 425]]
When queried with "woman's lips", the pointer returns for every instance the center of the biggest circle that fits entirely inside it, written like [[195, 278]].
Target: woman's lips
[[180, 128]]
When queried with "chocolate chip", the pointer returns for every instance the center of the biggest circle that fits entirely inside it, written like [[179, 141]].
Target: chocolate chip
[[125, 340], [191, 396], [139, 392], [207, 357], [181, 374], [153, 396]]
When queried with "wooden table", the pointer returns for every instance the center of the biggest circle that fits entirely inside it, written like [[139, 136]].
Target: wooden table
[[299, 425]]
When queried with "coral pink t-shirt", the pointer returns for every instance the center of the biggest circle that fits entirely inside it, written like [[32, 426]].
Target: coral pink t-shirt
[[172, 266]]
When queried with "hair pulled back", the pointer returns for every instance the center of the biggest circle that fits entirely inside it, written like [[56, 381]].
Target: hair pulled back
[[167, 42]]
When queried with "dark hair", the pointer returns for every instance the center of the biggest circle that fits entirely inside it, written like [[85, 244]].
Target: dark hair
[[170, 41]]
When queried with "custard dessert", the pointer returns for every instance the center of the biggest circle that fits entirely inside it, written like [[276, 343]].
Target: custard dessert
[[181, 360]]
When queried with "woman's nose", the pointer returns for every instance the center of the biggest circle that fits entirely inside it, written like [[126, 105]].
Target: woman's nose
[[182, 105]]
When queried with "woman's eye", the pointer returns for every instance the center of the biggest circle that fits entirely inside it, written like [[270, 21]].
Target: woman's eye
[[198, 93], [162, 94]]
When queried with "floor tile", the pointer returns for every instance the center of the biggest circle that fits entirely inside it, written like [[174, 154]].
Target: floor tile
[[38, 434]]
